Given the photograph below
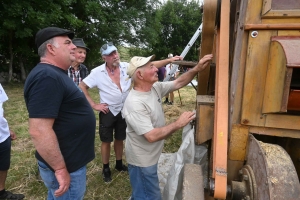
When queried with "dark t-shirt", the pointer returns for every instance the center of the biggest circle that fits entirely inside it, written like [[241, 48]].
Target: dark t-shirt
[[50, 93], [161, 73]]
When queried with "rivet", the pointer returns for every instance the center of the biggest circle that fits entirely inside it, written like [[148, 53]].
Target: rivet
[[254, 34]]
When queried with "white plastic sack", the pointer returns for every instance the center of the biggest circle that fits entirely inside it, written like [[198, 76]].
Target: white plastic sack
[[185, 154]]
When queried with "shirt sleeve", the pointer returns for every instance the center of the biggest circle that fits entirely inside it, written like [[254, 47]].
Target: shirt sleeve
[[44, 98], [3, 96], [91, 79]]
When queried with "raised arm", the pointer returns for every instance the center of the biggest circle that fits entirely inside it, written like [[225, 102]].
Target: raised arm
[[161, 63], [188, 76]]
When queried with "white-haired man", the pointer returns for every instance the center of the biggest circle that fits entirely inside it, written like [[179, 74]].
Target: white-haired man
[[146, 129]]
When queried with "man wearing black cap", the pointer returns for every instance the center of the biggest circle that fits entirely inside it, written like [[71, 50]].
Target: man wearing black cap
[[61, 121], [77, 71]]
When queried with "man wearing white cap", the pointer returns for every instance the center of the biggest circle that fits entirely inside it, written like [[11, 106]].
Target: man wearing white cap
[[146, 129]]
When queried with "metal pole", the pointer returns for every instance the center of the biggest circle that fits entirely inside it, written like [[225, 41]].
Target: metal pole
[[179, 97], [184, 52]]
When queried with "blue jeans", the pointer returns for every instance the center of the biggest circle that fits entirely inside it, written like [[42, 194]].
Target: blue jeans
[[144, 183], [77, 186]]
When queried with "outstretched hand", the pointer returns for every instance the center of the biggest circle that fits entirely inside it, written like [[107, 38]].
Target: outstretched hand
[[175, 58], [204, 62], [185, 118]]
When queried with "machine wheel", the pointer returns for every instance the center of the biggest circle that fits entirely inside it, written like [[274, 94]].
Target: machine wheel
[[274, 172]]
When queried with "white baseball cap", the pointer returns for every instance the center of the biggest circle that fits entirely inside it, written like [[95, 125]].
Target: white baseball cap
[[137, 62]]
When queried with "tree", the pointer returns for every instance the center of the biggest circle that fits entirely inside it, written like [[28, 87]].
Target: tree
[[20, 21], [175, 24], [96, 21]]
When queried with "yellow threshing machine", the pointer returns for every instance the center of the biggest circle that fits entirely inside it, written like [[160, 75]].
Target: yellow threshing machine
[[248, 101]]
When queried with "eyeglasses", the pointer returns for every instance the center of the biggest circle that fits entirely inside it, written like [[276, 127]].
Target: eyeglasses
[[104, 47]]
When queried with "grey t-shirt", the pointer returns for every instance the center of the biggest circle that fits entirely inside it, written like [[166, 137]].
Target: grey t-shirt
[[143, 112]]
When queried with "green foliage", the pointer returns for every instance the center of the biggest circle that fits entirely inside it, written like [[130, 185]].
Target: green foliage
[[96, 21], [175, 24], [147, 26]]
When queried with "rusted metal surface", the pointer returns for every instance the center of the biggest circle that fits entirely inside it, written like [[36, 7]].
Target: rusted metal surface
[[246, 188], [294, 99], [291, 47], [274, 171], [291, 26], [285, 4]]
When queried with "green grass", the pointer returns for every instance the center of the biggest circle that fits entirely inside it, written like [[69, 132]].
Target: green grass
[[23, 176]]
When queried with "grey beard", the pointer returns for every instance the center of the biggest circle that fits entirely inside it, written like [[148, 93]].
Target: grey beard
[[116, 63]]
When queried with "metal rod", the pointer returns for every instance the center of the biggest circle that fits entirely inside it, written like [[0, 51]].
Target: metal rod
[[179, 97], [184, 52]]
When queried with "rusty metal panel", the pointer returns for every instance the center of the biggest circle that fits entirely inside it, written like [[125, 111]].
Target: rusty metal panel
[[291, 48], [294, 100], [285, 4]]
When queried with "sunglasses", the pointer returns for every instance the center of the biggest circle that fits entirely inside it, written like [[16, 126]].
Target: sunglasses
[[104, 47]]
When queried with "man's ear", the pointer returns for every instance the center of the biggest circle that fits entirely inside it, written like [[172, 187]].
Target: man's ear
[[139, 74], [50, 49]]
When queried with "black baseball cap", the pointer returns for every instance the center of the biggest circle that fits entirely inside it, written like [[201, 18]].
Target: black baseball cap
[[50, 32]]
